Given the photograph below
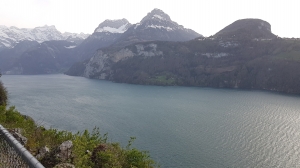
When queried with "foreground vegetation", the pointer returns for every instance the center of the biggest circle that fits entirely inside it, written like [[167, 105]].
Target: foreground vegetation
[[90, 149]]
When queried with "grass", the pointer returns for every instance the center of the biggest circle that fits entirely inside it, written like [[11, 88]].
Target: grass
[[290, 56], [163, 80]]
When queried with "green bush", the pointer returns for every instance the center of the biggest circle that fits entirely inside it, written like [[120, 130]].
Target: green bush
[[3, 94], [90, 149]]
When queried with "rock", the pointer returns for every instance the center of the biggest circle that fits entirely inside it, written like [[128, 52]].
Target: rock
[[17, 134], [59, 156], [88, 152], [64, 165], [65, 150], [18, 130], [42, 152]]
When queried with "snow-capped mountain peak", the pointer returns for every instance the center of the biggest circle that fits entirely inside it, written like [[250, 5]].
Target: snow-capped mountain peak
[[156, 26], [10, 36], [52, 27], [156, 14], [113, 26], [68, 35], [158, 19]]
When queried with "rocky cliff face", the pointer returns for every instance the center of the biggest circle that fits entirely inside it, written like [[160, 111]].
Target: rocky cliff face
[[267, 65], [100, 65], [258, 60]]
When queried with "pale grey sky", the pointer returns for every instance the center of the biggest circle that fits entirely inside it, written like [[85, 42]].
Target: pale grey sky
[[204, 16]]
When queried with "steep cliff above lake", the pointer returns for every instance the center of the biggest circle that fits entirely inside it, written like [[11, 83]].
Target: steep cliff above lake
[[245, 54]]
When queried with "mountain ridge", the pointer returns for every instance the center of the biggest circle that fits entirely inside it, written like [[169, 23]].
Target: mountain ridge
[[245, 54], [244, 58], [156, 25], [10, 36], [113, 26], [104, 35]]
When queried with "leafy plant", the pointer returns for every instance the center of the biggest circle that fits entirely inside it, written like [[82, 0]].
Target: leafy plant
[[3, 94]]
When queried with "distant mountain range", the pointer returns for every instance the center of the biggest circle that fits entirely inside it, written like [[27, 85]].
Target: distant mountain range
[[29, 51], [10, 36], [158, 51], [115, 33]]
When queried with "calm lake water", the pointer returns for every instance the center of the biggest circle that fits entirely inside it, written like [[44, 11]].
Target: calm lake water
[[179, 126]]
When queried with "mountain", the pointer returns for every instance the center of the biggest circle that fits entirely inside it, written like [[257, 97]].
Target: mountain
[[113, 26], [45, 58], [157, 25], [9, 55], [104, 35], [10, 36], [74, 37], [260, 60], [247, 28], [56, 51], [17, 44]]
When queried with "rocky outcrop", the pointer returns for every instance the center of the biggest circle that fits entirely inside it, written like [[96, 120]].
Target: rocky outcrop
[[99, 66], [42, 152], [64, 151], [59, 155]]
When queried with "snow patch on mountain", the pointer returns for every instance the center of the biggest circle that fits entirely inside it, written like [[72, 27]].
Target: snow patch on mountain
[[156, 14], [69, 47], [137, 25], [120, 29], [160, 27], [10, 36], [113, 26], [159, 17], [67, 35], [159, 20], [215, 55]]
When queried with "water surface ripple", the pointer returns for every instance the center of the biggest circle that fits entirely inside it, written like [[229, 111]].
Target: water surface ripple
[[179, 126]]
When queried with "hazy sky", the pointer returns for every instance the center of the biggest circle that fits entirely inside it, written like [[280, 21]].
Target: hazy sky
[[206, 17]]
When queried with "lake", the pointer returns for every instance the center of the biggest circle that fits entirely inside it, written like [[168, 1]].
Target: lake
[[179, 126]]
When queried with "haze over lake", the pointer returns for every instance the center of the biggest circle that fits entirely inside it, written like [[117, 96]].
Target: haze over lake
[[179, 126]]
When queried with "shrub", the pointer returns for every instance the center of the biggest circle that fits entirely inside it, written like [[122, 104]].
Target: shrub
[[3, 95]]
